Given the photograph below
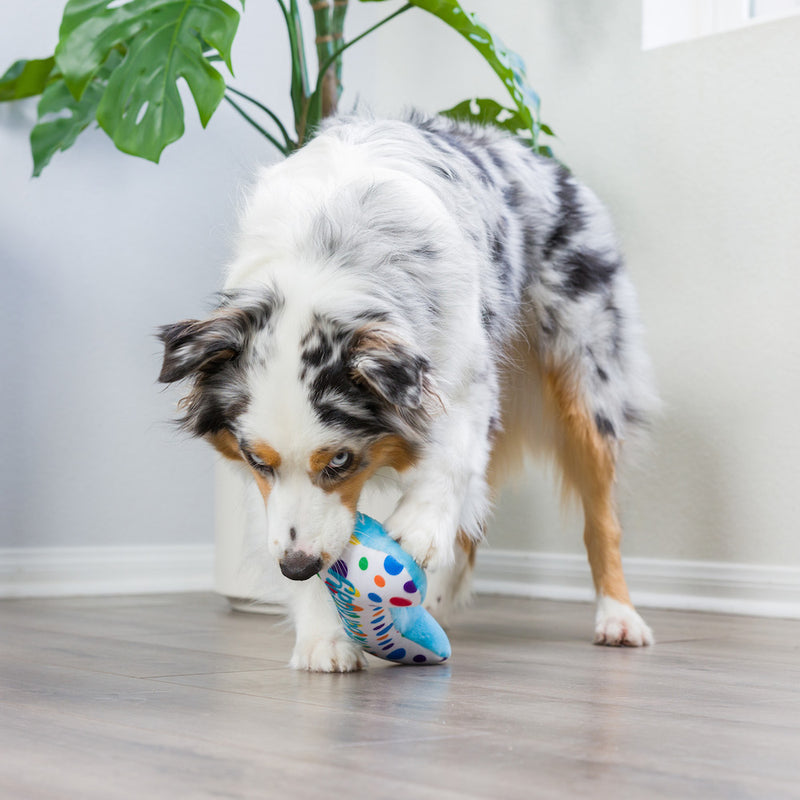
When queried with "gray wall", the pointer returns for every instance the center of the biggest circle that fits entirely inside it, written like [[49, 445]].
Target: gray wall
[[694, 147], [95, 254]]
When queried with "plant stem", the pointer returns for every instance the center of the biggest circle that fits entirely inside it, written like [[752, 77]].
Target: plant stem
[[272, 115], [337, 28], [283, 148], [324, 67], [299, 85], [324, 44]]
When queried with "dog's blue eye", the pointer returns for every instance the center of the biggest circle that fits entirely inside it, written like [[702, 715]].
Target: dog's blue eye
[[341, 460]]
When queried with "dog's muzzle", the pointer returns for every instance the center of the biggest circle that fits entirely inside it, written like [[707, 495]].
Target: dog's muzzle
[[300, 566]]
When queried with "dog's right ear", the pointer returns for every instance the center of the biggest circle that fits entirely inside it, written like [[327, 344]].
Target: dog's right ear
[[196, 345], [389, 366]]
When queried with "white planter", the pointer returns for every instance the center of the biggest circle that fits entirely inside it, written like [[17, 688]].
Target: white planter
[[241, 569]]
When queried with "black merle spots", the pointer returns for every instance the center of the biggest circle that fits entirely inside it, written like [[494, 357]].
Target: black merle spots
[[496, 158], [599, 371], [444, 172], [427, 251], [617, 330], [498, 247], [322, 345], [530, 246], [465, 149], [209, 353], [495, 427], [548, 321], [189, 344], [361, 379], [393, 373], [488, 317], [634, 416], [586, 271], [368, 425], [514, 196], [454, 140], [604, 426], [569, 218]]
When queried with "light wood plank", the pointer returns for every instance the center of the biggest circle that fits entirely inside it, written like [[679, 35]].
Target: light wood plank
[[176, 696]]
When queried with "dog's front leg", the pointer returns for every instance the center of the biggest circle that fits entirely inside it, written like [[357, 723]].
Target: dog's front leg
[[446, 492], [321, 644]]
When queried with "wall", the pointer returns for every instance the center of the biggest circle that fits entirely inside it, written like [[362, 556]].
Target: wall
[[693, 146], [95, 254]]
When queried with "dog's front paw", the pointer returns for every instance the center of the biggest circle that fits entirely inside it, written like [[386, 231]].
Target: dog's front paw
[[328, 654], [427, 540], [617, 624]]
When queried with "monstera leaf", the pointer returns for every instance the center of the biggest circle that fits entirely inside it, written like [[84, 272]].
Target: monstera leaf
[[160, 41], [508, 66], [61, 118], [26, 78], [485, 111]]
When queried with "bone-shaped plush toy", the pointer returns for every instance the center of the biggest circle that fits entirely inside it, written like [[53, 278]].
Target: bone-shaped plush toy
[[378, 590]]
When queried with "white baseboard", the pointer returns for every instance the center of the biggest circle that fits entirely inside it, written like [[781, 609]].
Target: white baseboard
[[767, 591], [73, 571]]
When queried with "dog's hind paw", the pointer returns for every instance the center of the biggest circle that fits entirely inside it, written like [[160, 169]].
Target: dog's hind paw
[[619, 625], [328, 655]]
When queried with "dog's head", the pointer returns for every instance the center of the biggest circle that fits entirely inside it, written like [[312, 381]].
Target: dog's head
[[312, 404]]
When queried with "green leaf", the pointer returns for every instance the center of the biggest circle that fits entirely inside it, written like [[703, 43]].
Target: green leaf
[[508, 66], [62, 118], [162, 41], [485, 111], [26, 78]]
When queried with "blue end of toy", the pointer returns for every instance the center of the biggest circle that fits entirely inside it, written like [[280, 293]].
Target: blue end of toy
[[378, 590]]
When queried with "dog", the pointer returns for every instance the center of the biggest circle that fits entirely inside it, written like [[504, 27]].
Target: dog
[[427, 300]]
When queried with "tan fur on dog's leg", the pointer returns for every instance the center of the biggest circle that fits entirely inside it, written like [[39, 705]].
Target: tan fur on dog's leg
[[588, 462]]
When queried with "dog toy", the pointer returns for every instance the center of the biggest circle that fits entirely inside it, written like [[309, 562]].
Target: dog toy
[[378, 590]]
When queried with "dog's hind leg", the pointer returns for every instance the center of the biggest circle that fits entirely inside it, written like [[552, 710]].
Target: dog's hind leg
[[587, 457]]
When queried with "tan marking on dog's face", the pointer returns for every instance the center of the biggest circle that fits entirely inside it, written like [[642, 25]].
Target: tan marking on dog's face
[[320, 459], [264, 486], [269, 455], [225, 442], [391, 451]]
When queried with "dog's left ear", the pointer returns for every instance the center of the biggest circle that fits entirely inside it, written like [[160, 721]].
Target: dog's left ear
[[196, 345], [204, 346], [390, 368]]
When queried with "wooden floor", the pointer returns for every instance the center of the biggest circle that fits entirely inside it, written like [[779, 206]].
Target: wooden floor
[[177, 697]]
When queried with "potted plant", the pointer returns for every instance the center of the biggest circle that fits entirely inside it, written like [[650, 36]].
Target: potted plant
[[118, 63]]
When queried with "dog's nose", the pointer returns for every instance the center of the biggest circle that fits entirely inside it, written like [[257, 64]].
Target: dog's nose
[[300, 566]]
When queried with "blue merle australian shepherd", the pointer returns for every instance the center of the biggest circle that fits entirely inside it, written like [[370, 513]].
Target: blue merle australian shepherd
[[429, 300]]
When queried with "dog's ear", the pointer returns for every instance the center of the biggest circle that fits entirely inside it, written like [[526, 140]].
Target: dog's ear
[[203, 346], [390, 367], [195, 346]]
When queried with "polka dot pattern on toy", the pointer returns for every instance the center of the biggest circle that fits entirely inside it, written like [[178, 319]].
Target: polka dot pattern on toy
[[389, 620]]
